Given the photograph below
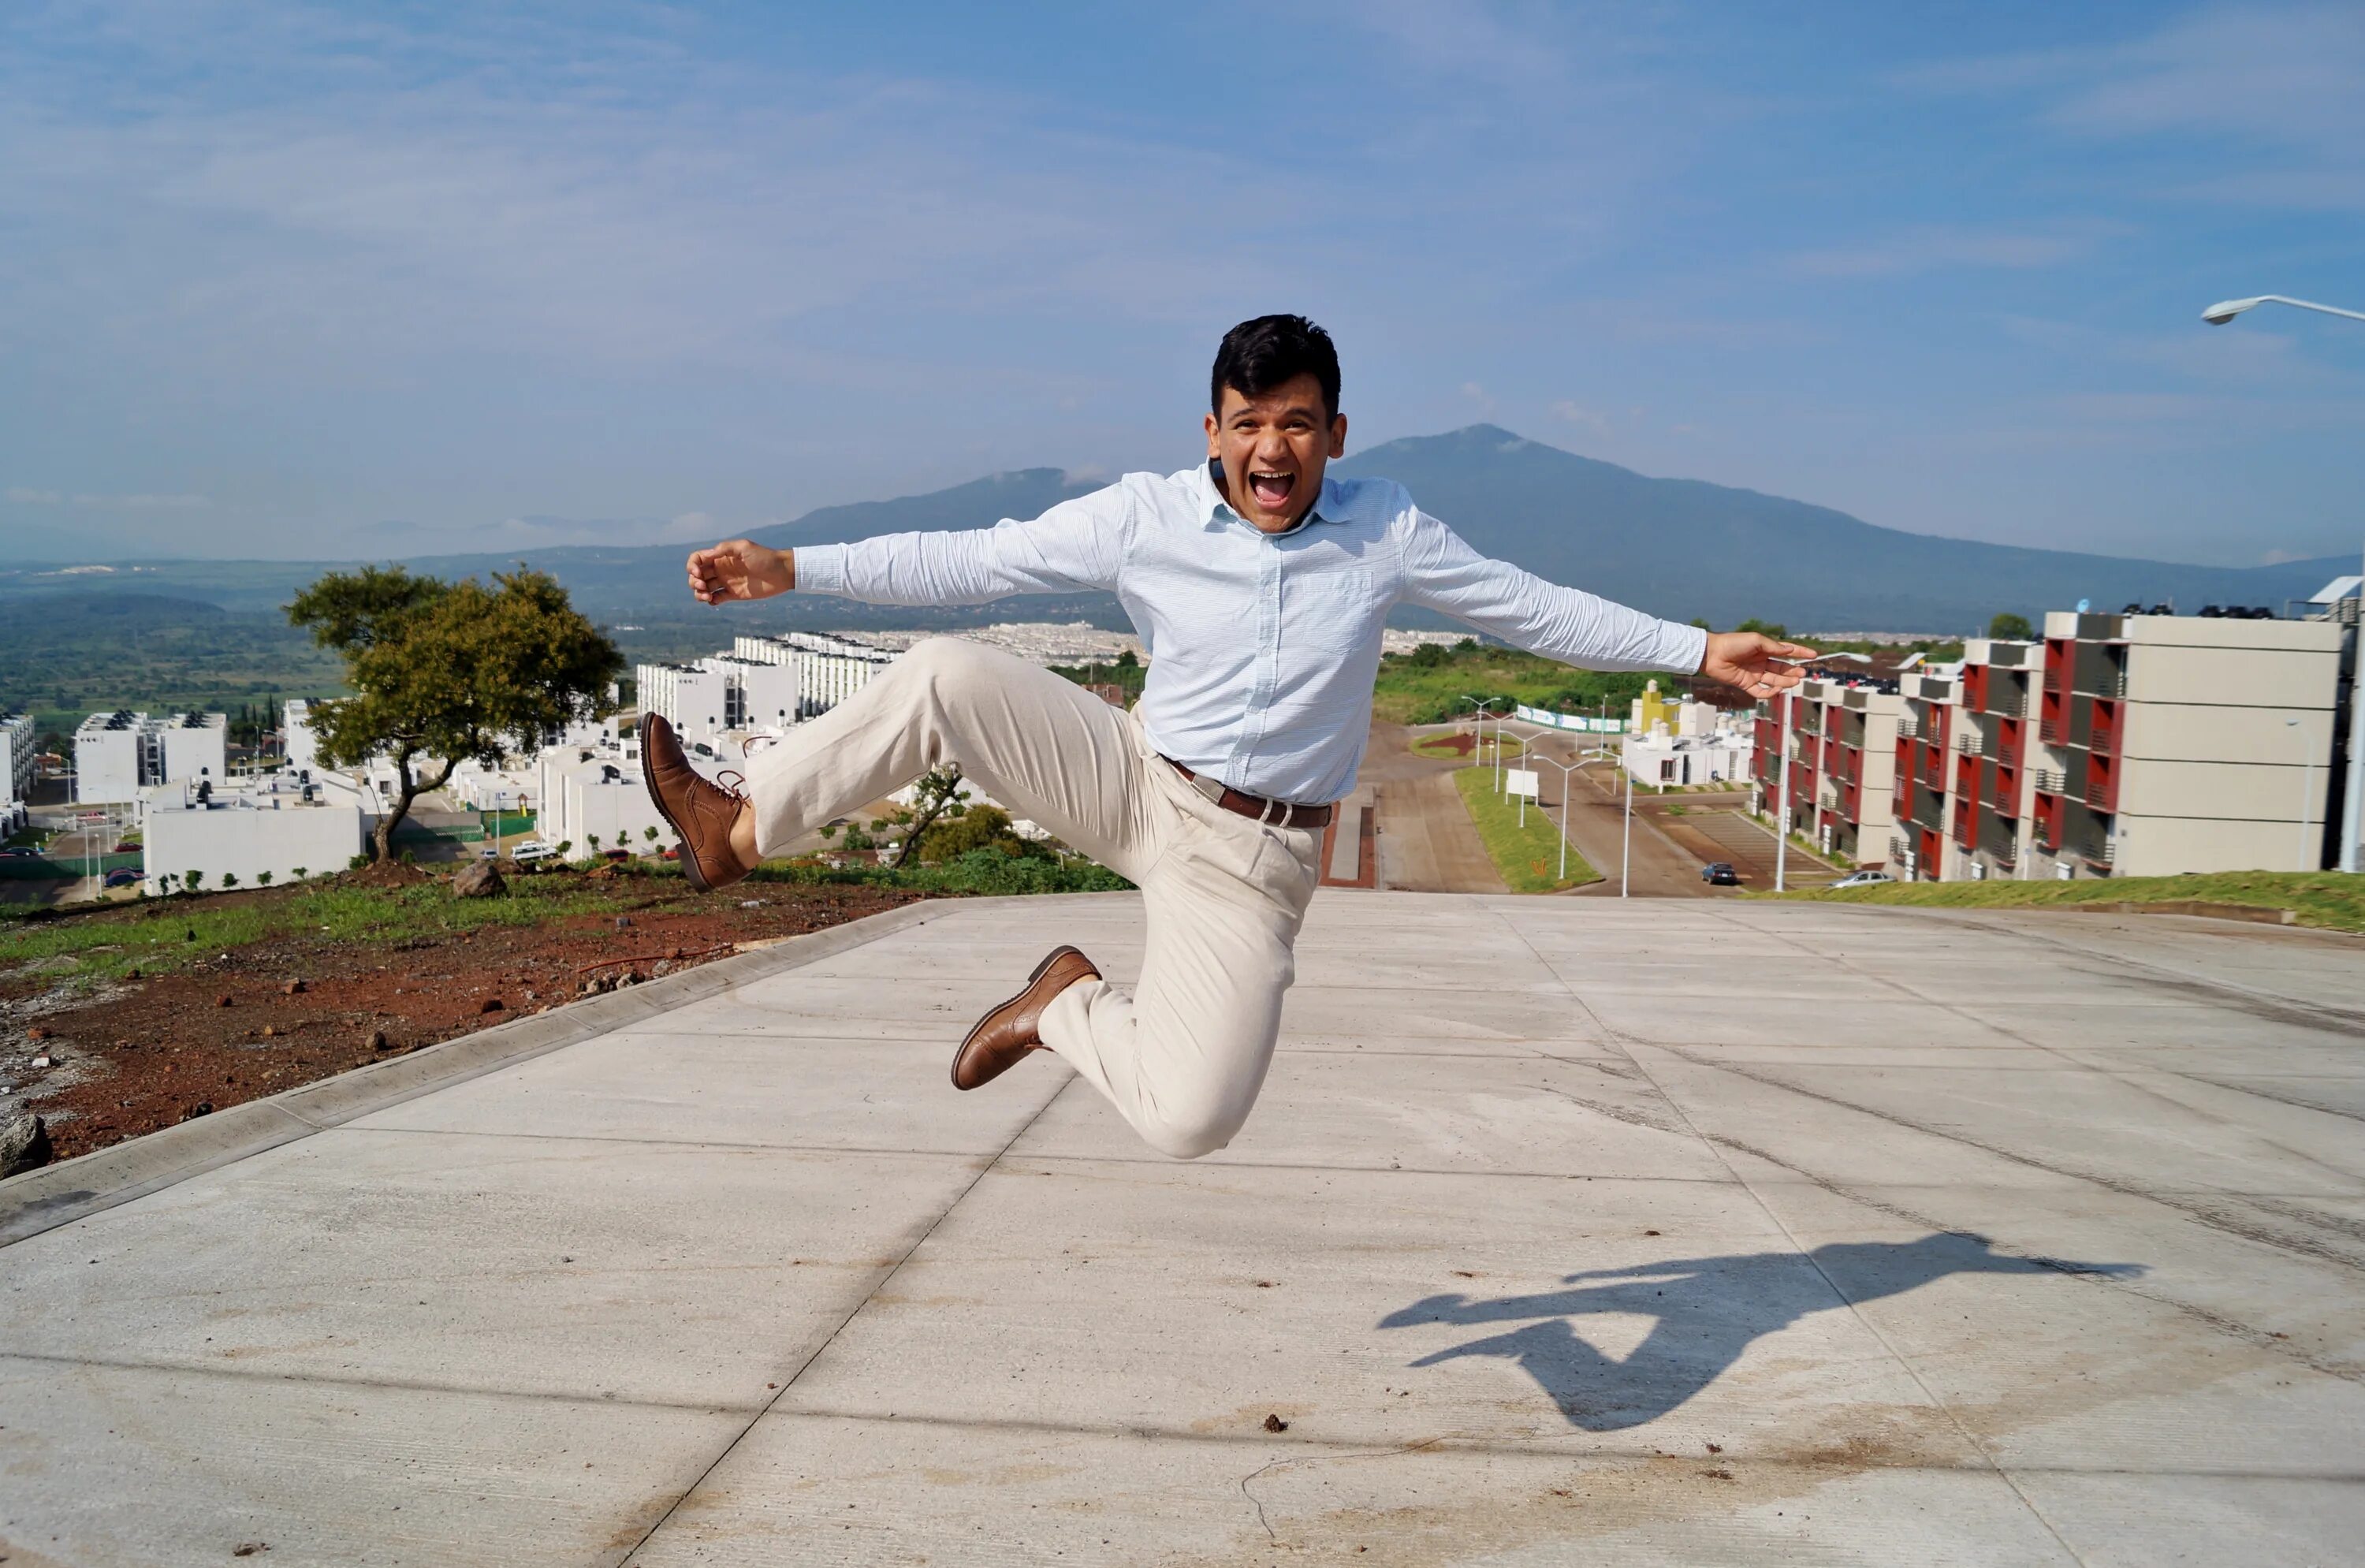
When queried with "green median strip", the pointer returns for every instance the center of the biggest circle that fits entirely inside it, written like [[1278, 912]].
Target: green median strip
[[2323, 899], [1529, 856]]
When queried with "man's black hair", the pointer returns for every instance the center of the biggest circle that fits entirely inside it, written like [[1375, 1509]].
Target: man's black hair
[[1260, 355]]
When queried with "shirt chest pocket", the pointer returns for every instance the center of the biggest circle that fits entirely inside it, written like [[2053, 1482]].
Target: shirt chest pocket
[[1338, 610]]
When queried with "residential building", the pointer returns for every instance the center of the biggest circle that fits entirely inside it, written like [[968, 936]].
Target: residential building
[[193, 746], [245, 828], [2176, 743], [1843, 756], [115, 756], [830, 668], [17, 750], [298, 743], [2127, 744], [1678, 741]]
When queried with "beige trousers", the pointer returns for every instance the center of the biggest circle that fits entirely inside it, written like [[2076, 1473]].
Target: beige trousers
[[1184, 1056]]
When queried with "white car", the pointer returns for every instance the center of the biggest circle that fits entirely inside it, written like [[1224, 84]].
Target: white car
[[531, 850], [1865, 879]]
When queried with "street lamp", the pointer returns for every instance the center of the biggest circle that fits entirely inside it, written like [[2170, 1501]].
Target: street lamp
[[2224, 310], [2217, 315], [1478, 725]]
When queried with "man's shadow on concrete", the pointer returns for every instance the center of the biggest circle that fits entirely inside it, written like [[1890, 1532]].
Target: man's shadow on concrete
[[1706, 1310]]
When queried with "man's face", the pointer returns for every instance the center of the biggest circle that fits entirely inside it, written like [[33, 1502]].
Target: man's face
[[1274, 449]]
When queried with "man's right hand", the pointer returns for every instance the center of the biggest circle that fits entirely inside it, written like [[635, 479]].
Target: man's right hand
[[741, 568]]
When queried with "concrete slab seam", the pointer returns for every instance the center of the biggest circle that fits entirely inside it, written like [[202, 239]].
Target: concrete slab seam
[[1904, 1363], [878, 1285]]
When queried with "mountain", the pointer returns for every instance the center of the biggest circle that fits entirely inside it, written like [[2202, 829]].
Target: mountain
[[1684, 548], [1677, 547]]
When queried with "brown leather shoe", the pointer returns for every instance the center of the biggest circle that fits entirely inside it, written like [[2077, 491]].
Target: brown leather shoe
[[1008, 1033], [700, 812]]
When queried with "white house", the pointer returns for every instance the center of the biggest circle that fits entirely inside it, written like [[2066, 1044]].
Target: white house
[[244, 829], [193, 745], [114, 757]]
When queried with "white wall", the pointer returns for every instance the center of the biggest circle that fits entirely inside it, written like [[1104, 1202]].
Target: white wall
[[274, 834], [106, 763], [190, 753]]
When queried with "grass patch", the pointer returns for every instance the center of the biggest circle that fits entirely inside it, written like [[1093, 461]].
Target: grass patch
[[1528, 857], [1428, 688], [2327, 900], [160, 935], [980, 873], [1442, 748]]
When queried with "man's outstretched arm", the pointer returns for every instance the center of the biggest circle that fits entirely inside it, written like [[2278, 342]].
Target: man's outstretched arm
[[1443, 573], [1076, 545]]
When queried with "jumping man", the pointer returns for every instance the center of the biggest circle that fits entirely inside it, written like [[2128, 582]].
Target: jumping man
[[1260, 588]]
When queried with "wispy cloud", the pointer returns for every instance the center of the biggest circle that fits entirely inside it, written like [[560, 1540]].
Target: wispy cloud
[[2277, 83], [1932, 247]]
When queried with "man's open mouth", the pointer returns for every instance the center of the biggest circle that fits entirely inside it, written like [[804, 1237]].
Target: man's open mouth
[[1271, 490]]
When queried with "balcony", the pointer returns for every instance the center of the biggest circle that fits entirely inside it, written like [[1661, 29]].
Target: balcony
[[1909, 728], [2099, 852], [2050, 781], [1970, 742]]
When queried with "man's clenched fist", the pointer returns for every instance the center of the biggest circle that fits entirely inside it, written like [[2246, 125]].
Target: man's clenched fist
[[741, 568]]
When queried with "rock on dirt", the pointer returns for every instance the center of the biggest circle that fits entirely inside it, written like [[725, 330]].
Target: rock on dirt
[[24, 1144], [1275, 1424], [293, 988], [479, 879]]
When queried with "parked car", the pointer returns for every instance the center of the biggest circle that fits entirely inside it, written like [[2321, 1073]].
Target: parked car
[[1721, 873], [531, 850], [123, 877], [1865, 879]]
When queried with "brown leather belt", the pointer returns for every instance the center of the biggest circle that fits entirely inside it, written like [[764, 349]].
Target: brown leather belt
[[1272, 814]]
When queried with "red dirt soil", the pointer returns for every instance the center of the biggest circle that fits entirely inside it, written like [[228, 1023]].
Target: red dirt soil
[[239, 1026]]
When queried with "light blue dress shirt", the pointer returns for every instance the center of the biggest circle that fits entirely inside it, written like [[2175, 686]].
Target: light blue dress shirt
[[1263, 647]]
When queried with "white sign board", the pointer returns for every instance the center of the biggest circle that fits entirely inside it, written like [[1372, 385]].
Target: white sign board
[[1521, 781]]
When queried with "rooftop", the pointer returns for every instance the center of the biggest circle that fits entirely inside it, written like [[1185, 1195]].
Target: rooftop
[[1568, 1231]]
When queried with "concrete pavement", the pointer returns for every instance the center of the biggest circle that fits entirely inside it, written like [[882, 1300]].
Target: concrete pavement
[[1567, 1232]]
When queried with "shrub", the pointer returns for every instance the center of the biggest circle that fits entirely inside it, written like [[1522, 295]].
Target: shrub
[[298, 873], [263, 879], [192, 879], [357, 862], [229, 878]]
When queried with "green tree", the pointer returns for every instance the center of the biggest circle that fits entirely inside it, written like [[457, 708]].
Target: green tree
[[981, 827], [1773, 629], [192, 879], [936, 797], [2008, 627], [442, 672], [229, 878]]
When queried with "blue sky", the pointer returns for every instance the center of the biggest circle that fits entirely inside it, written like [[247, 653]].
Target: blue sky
[[304, 280]]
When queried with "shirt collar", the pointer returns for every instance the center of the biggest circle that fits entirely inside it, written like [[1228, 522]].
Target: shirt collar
[[1214, 508]]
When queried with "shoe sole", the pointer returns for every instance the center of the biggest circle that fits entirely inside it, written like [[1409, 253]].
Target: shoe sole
[[975, 1029], [649, 782]]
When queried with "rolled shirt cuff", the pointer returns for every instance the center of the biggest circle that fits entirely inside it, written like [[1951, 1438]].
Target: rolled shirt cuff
[[821, 568]]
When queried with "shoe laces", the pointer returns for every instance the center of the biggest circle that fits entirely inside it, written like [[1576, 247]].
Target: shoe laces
[[732, 782]]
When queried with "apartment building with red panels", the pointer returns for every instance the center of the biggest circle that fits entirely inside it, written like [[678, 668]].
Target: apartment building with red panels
[[1842, 753], [2122, 745]]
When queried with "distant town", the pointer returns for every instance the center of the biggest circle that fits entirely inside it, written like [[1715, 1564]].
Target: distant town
[[2138, 743]]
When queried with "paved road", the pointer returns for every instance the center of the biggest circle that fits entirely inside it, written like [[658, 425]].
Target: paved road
[[1666, 1233], [1660, 868], [1426, 839]]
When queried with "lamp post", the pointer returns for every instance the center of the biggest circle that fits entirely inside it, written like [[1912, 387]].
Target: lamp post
[[1478, 725], [2217, 315], [1567, 782]]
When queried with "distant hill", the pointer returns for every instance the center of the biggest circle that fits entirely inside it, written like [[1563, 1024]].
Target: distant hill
[[1684, 548], [1677, 547]]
